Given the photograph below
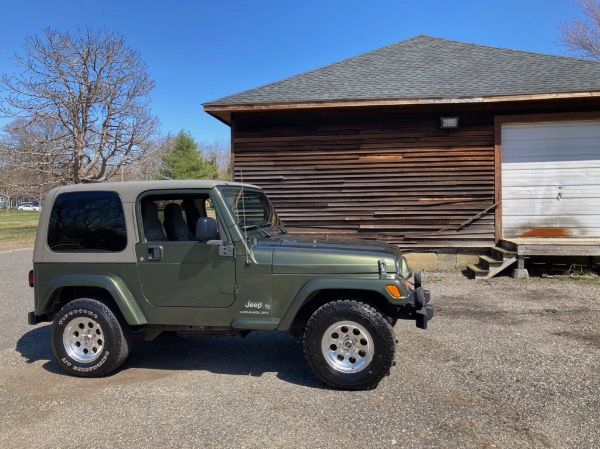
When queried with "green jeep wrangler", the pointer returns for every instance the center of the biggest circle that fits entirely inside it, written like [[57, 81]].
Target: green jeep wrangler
[[117, 261]]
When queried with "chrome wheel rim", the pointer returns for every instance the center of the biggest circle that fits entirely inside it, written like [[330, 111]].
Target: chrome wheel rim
[[347, 347], [83, 340]]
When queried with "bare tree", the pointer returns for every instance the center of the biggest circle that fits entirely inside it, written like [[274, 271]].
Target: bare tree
[[31, 148], [218, 154], [7, 174], [148, 166], [89, 92], [581, 37], [15, 180]]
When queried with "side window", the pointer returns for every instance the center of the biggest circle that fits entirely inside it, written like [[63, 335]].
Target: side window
[[210, 209], [87, 222], [173, 217]]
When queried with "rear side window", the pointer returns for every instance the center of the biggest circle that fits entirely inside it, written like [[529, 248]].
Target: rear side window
[[87, 222]]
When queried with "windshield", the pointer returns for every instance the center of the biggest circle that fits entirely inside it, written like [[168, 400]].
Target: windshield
[[251, 208]]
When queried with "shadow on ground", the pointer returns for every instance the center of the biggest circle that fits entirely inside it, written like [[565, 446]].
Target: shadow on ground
[[255, 355]]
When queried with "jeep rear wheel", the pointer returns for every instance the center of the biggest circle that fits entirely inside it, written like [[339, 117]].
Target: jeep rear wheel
[[349, 345], [88, 339]]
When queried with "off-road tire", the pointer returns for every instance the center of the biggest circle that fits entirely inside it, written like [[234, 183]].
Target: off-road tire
[[89, 339], [349, 345]]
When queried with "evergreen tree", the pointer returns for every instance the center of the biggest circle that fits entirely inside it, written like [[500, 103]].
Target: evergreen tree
[[184, 161]]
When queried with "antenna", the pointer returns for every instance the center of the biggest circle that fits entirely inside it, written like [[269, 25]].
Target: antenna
[[245, 227]]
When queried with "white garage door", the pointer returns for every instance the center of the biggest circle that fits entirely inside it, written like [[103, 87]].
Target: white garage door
[[551, 179]]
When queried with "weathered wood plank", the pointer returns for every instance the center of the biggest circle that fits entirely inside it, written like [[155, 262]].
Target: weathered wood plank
[[402, 180]]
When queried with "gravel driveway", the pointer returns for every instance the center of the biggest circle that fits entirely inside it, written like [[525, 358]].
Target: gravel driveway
[[503, 364]]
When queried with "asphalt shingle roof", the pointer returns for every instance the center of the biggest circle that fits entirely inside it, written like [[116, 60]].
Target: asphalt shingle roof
[[425, 67]]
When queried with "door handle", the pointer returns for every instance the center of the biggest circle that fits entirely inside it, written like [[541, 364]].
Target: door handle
[[154, 252]]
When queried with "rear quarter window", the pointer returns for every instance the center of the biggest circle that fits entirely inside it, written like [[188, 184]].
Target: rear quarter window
[[87, 222]]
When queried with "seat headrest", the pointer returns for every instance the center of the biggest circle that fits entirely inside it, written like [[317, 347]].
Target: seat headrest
[[149, 210], [173, 212]]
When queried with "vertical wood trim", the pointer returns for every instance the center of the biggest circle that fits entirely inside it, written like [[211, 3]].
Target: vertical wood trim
[[498, 178], [232, 144]]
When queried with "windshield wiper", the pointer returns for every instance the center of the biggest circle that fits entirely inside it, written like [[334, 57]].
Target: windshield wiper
[[279, 227], [256, 227]]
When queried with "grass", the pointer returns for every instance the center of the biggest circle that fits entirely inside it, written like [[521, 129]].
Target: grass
[[17, 228], [591, 278]]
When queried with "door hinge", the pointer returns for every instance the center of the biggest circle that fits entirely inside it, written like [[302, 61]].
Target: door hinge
[[226, 250], [237, 289]]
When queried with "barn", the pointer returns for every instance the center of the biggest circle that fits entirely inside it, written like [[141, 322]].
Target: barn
[[445, 148]]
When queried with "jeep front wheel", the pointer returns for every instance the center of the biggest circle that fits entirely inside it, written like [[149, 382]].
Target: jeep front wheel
[[349, 345], [88, 339]]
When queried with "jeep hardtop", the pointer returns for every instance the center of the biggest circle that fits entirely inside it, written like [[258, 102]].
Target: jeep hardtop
[[117, 261]]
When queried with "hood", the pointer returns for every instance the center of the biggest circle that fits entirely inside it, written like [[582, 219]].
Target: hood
[[304, 254]]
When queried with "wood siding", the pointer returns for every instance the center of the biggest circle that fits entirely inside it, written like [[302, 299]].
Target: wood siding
[[387, 176]]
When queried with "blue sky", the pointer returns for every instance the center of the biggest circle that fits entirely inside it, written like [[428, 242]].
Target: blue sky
[[199, 51]]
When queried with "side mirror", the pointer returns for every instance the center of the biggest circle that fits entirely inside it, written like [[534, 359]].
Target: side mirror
[[206, 229]]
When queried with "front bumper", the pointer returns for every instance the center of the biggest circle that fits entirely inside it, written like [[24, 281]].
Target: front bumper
[[424, 311], [418, 309]]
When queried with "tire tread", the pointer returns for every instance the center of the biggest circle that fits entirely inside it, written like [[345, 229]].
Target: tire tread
[[385, 352], [117, 324]]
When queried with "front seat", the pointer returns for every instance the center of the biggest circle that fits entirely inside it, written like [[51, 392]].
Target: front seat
[[175, 226], [153, 230]]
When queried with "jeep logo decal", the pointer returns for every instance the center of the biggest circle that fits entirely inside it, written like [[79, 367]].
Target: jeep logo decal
[[254, 305]]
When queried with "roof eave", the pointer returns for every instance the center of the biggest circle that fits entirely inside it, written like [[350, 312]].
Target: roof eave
[[223, 112]]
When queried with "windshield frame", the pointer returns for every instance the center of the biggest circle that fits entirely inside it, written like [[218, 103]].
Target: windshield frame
[[256, 204]]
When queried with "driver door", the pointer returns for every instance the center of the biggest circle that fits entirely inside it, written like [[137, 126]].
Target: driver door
[[175, 269]]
